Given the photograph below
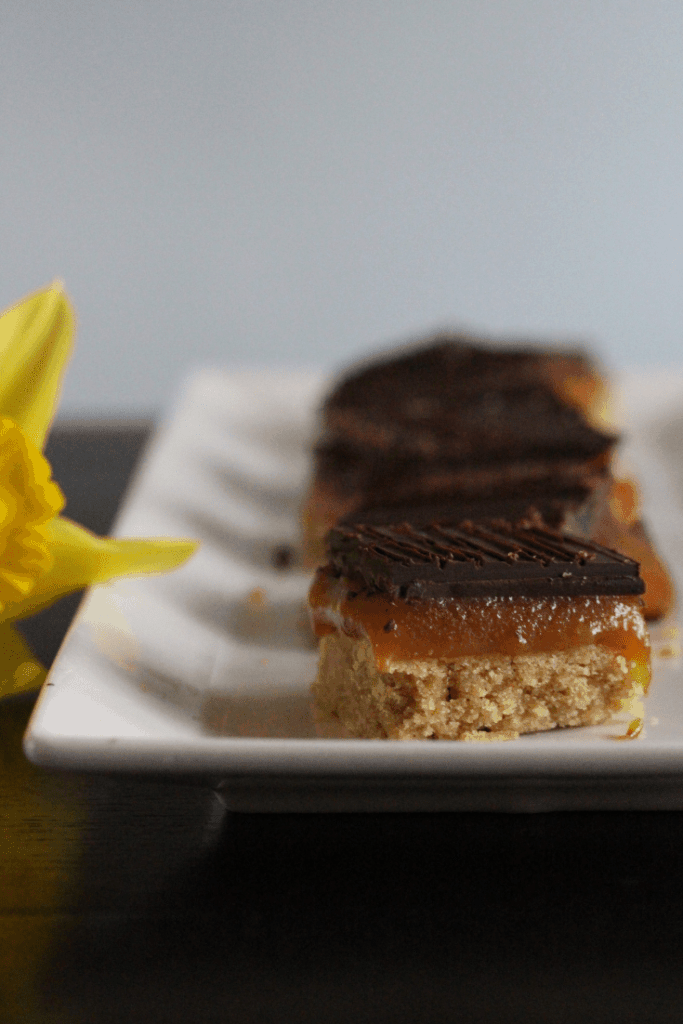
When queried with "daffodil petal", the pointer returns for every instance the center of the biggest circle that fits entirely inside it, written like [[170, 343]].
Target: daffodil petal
[[82, 558], [20, 672], [36, 338]]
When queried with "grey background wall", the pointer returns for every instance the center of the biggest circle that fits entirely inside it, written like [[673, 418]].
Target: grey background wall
[[294, 182]]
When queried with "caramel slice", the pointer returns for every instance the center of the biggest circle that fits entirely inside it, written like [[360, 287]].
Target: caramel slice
[[453, 420], [419, 383], [457, 428], [617, 523], [584, 504], [483, 630]]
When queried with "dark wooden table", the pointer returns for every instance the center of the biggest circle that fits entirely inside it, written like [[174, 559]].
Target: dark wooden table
[[125, 899]]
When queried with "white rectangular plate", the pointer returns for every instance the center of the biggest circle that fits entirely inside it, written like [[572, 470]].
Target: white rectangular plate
[[205, 672]]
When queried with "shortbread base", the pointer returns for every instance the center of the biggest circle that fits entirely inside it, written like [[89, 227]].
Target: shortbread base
[[492, 697]]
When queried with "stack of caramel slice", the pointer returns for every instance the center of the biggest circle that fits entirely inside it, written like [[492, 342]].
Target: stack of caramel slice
[[482, 573]]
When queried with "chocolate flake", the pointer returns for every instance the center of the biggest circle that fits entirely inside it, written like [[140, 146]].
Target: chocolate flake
[[283, 556]]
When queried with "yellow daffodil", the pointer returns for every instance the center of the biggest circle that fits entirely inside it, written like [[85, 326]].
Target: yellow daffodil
[[44, 556]]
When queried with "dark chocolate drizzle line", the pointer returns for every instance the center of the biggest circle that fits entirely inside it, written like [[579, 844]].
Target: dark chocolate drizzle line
[[384, 545], [548, 545], [545, 550], [401, 550], [435, 552], [556, 551], [488, 543], [472, 542]]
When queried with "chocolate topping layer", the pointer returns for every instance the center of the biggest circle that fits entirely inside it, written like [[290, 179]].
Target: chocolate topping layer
[[479, 425], [430, 375], [492, 558], [460, 424], [387, 485]]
